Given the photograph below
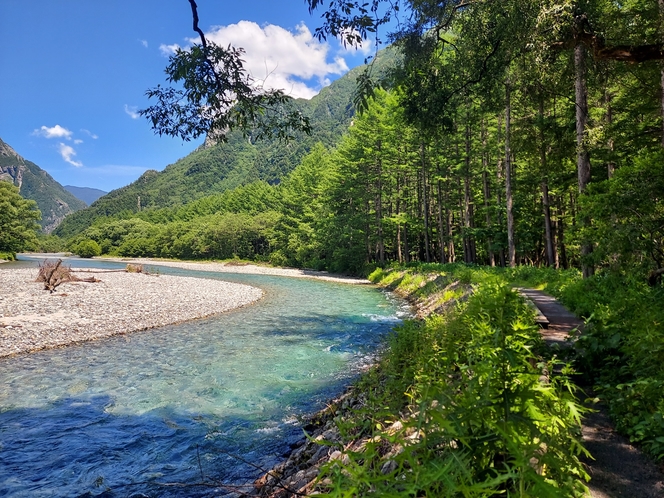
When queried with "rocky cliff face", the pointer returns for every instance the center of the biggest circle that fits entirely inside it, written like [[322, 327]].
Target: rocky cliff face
[[8, 172], [34, 183]]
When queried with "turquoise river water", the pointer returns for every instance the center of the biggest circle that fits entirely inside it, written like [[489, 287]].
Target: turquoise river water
[[136, 415]]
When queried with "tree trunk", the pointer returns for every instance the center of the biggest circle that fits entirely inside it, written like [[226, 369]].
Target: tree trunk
[[467, 251], [556, 237], [462, 218], [441, 232], [582, 155], [379, 205], [397, 210], [546, 206], [545, 190], [405, 244], [451, 253], [508, 180], [425, 204], [485, 185], [662, 101], [661, 83], [561, 235], [487, 194], [499, 175], [611, 165]]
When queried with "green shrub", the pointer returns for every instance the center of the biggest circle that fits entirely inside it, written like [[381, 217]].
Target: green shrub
[[621, 351], [7, 256], [87, 249], [458, 408]]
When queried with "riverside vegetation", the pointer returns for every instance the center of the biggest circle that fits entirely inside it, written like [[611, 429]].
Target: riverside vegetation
[[463, 403], [466, 402], [477, 150], [620, 349]]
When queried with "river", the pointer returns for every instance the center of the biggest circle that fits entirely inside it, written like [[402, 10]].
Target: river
[[141, 414]]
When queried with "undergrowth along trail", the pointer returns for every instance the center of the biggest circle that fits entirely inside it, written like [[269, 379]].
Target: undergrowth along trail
[[462, 403]]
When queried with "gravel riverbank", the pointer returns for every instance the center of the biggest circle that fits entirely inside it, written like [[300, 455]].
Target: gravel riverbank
[[32, 318], [231, 267]]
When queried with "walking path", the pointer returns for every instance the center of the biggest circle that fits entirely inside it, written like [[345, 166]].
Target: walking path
[[560, 323], [618, 469]]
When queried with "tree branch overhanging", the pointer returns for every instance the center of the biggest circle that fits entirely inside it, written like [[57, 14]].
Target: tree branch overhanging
[[212, 94], [194, 14], [596, 44]]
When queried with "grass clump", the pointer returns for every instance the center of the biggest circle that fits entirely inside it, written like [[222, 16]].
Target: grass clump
[[461, 405], [622, 352]]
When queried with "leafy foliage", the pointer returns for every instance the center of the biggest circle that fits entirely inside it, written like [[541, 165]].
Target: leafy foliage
[[87, 249], [457, 407], [620, 351], [217, 96], [628, 211], [49, 243], [18, 220]]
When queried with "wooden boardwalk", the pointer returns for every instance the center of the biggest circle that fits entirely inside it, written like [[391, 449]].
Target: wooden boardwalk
[[557, 321], [618, 468]]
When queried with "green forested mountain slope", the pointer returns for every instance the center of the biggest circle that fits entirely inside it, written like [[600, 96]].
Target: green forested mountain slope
[[34, 183], [216, 168]]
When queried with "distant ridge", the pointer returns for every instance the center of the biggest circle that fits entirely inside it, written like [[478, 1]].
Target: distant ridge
[[215, 168], [34, 183], [86, 194]]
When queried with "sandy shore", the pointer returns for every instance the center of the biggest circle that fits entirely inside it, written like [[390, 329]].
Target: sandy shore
[[32, 318]]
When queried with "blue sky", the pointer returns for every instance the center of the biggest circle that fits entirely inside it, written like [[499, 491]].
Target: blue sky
[[73, 74]]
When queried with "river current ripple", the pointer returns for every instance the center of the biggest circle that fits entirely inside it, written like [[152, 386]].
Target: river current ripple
[[133, 415]]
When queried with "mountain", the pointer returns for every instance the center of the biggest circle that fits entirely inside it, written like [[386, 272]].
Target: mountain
[[34, 183], [86, 194], [214, 168]]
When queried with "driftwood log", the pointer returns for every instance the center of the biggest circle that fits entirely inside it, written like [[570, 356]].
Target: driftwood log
[[52, 274]]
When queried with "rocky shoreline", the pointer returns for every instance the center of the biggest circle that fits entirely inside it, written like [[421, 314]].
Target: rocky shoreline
[[297, 474], [32, 319]]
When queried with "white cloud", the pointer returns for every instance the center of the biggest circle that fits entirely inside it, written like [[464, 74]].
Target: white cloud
[[132, 111], [144, 43], [78, 141], [56, 131], [68, 153], [89, 133], [295, 62], [168, 50]]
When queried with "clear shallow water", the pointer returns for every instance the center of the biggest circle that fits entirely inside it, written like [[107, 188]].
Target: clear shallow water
[[127, 414]]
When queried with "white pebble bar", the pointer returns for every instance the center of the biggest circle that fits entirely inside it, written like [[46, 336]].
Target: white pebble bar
[[32, 318]]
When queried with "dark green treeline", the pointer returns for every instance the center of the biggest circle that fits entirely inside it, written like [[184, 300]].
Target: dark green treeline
[[391, 191]]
